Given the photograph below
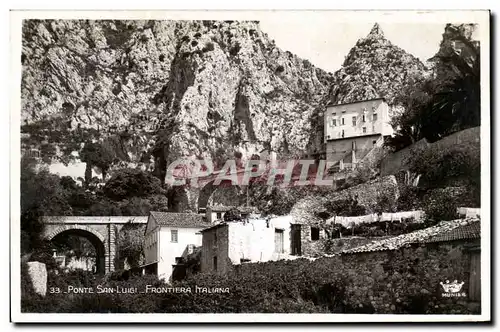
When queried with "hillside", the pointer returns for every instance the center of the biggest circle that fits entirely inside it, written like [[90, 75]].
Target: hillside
[[155, 90]]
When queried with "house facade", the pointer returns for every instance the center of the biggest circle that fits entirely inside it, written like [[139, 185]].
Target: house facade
[[251, 240], [352, 130], [169, 239]]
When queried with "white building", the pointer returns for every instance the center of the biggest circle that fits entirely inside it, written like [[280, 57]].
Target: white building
[[252, 240], [352, 130], [169, 238]]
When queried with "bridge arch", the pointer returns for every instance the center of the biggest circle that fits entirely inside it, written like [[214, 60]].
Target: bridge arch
[[93, 236], [225, 193]]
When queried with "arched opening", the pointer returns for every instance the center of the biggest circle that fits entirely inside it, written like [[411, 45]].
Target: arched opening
[[82, 249], [223, 194]]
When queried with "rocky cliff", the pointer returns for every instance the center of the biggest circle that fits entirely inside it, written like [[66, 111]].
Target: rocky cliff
[[373, 68], [156, 90]]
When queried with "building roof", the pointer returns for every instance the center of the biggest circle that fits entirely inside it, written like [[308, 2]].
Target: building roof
[[213, 226], [355, 102], [460, 229], [223, 208], [179, 219], [463, 232]]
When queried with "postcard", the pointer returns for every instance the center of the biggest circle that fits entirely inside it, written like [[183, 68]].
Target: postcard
[[249, 165]]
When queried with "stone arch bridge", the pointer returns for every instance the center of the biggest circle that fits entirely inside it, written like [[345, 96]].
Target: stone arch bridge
[[102, 232]]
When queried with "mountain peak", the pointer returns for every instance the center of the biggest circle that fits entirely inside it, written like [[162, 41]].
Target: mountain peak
[[376, 31]]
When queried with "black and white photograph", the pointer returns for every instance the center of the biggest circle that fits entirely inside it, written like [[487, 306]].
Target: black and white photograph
[[331, 165]]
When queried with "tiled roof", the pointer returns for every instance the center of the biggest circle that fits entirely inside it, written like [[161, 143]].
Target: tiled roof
[[242, 209], [464, 232], [444, 231], [180, 219]]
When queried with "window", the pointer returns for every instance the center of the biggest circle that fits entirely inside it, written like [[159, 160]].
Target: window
[[374, 116], [343, 121], [364, 130], [215, 263], [374, 142], [354, 121], [314, 233], [278, 241], [219, 215], [342, 132], [334, 122], [364, 118], [174, 235]]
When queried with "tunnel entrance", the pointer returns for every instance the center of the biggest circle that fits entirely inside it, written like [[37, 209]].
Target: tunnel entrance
[[81, 248]]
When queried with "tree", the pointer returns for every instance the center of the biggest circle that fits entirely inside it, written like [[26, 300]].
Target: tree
[[135, 206], [127, 183], [457, 104], [99, 155], [41, 194], [130, 243], [413, 103], [448, 102], [460, 164]]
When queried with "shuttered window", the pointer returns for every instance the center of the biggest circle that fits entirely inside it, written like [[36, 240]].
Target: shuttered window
[[279, 241], [174, 235]]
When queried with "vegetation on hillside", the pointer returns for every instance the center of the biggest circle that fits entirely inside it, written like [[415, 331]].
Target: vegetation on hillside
[[128, 192], [448, 101]]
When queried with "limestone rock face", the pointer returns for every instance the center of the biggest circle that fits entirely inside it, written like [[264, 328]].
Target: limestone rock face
[[374, 68], [157, 90], [38, 275]]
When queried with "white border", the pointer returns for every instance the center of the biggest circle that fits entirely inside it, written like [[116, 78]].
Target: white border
[[480, 17]]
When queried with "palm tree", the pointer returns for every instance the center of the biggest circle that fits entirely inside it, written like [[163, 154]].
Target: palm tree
[[456, 105]]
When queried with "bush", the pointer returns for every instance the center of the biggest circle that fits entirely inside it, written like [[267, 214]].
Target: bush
[[440, 205], [235, 49], [208, 47]]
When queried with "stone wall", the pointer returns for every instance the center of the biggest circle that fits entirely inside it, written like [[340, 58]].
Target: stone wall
[[368, 193], [305, 212], [396, 162], [407, 280], [388, 281], [37, 273], [215, 243], [310, 247]]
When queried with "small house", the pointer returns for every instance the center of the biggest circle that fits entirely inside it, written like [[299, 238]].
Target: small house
[[169, 239], [250, 240]]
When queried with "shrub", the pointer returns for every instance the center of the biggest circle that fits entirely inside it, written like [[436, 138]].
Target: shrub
[[235, 49], [440, 205], [208, 47]]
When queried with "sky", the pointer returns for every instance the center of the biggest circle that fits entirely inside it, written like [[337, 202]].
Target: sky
[[325, 42]]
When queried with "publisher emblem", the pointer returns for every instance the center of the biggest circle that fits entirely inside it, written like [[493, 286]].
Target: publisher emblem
[[452, 289]]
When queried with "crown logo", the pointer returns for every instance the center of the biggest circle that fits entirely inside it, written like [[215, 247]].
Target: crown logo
[[452, 287]]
